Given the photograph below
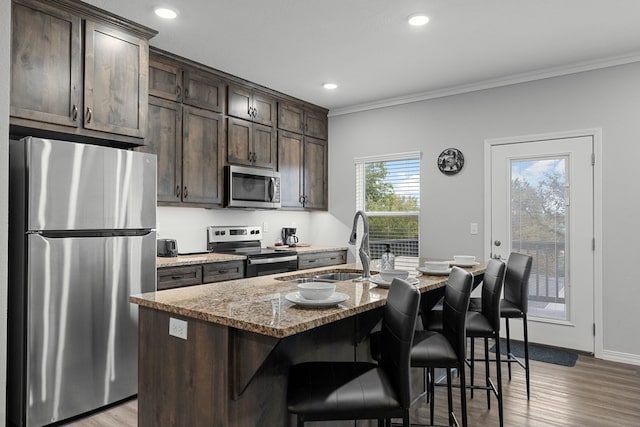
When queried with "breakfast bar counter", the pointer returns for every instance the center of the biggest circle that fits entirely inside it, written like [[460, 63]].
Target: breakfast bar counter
[[218, 354]]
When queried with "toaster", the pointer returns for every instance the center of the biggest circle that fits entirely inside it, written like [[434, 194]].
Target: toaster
[[167, 248]]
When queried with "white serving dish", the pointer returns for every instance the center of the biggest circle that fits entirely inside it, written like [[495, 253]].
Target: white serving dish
[[389, 275], [441, 266], [377, 280], [334, 299], [316, 290]]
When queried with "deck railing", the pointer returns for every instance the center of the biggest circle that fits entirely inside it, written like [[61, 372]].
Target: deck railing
[[547, 280]]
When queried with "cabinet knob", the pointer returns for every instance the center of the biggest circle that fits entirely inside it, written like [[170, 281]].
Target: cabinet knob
[[185, 192], [186, 92], [178, 91], [74, 113], [89, 114], [178, 191]]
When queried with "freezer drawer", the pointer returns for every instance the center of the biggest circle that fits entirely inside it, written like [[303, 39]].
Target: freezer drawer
[[81, 329]]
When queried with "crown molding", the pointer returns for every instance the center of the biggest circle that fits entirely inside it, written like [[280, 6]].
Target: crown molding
[[490, 84]]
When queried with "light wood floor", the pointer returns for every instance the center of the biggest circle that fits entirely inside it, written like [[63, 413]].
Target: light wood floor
[[593, 393]]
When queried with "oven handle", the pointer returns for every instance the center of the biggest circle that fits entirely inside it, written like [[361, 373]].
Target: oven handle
[[272, 260]]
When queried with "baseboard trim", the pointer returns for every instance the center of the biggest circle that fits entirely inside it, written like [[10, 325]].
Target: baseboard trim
[[616, 356]]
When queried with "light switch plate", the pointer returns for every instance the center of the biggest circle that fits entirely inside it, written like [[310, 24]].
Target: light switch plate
[[178, 328], [474, 228]]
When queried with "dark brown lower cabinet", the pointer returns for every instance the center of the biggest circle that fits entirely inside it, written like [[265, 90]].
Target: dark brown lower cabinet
[[196, 274], [321, 259]]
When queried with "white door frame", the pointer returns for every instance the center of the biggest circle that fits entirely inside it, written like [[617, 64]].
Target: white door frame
[[596, 134]]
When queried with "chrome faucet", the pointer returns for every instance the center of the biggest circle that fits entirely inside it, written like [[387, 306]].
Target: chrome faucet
[[365, 256]]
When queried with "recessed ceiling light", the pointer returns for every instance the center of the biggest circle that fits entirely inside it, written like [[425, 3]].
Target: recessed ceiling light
[[165, 13], [418, 19], [329, 86]]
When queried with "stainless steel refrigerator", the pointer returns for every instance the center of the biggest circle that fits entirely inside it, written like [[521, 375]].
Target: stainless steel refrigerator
[[82, 239]]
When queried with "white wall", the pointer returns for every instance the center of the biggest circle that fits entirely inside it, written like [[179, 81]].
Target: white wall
[[5, 29], [607, 98]]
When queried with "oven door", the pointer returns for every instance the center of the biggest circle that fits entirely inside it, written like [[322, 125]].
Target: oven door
[[271, 265]]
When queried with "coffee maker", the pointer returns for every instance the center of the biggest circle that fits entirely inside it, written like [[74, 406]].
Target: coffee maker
[[289, 236]]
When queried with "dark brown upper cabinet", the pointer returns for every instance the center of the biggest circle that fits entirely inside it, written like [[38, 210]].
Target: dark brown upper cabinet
[[303, 166], [46, 74], [203, 91], [250, 144], [304, 120], [116, 67], [252, 105], [92, 84]]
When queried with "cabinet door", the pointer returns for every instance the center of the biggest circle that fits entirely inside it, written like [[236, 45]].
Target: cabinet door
[[45, 64], [315, 173], [265, 109], [290, 117], [315, 124], [239, 103], [165, 80], [115, 81], [264, 146], [202, 150], [203, 91], [163, 140], [290, 165], [239, 145]]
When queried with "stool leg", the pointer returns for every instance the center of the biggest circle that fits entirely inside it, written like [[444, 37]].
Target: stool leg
[[508, 347], [433, 395], [472, 371], [486, 371], [526, 354], [449, 396], [463, 395], [499, 379]]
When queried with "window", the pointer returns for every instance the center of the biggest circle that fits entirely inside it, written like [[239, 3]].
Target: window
[[388, 190]]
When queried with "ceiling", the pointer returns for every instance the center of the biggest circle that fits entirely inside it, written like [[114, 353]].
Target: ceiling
[[367, 48]]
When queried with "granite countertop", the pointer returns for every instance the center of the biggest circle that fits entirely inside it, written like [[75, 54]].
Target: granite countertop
[[204, 258], [258, 304]]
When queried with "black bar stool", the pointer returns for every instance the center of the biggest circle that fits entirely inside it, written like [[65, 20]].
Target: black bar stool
[[319, 391]]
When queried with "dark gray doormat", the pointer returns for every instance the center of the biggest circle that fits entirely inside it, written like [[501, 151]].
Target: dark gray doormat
[[540, 353]]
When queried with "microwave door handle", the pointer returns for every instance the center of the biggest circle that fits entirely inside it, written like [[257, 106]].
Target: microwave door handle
[[272, 188]]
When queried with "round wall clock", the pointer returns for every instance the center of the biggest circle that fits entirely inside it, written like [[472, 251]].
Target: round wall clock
[[450, 161]]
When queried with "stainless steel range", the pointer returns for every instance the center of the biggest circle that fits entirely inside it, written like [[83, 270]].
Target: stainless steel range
[[246, 240]]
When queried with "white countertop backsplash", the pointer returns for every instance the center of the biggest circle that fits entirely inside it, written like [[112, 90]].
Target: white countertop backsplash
[[188, 225]]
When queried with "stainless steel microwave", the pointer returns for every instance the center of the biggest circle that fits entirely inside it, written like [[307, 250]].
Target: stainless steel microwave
[[248, 187]]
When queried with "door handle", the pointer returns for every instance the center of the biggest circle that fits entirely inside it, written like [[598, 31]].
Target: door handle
[[89, 114], [74, 113]]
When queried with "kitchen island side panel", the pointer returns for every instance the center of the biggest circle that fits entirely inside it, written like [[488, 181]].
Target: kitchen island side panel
[[192, 382]]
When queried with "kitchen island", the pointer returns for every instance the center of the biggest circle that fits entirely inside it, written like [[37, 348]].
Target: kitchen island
[[218, 354]]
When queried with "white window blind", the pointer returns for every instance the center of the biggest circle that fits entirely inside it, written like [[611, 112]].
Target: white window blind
[[388, 190]]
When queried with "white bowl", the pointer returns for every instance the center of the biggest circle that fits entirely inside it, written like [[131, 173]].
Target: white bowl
[[464, 259], [437, 265], [316, 290], [389, 275]]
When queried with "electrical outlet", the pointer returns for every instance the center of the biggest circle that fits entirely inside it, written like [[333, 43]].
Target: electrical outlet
[[178, 328], [474, 228]]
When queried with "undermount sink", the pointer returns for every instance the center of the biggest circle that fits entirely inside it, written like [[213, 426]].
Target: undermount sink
[[338, 276], [329, 276]]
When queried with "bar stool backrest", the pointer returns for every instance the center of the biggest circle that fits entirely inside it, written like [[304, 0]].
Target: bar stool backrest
[[492, 292], [516, 280], [398, 325], [454, 311]]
